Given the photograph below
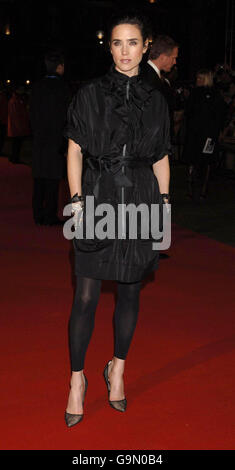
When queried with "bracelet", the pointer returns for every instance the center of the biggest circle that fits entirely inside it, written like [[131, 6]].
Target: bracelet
[[77, 207], [165, 196], [76, 198]]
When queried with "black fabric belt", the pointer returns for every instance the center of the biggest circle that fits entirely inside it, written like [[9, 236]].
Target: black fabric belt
[[113, 165]]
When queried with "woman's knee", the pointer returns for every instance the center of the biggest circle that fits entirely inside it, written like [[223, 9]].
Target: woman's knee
[[129, 292]]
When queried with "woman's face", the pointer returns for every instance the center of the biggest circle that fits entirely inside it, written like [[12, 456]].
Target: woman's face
[[127, 48], [200, 80]]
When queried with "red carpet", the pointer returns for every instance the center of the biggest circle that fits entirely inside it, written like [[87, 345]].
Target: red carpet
[[179, 376]]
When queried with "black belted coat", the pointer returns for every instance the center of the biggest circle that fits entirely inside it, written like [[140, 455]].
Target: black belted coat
[[122, 126]]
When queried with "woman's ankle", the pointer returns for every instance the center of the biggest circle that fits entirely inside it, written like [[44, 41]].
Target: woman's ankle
[[77, 378], [117, 365]]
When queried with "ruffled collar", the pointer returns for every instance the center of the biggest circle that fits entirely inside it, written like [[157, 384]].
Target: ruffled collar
[[122, 77], [139, 91], [127, 103]]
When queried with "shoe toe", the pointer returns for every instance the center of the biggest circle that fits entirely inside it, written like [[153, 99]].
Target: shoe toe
[[119, 405], [72, 419]]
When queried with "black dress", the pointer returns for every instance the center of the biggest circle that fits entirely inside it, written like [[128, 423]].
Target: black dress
[[122, 126]]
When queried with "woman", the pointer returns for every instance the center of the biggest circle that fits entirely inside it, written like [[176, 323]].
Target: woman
[[118, 131], [205, 117], [18, 123]]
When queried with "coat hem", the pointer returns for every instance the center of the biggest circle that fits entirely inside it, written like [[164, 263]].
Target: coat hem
[[114, 271]]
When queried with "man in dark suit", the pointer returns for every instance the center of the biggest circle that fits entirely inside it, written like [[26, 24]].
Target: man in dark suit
[[162, 57], [48, 110]]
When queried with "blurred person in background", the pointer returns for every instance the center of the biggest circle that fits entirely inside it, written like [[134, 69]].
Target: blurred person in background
[[48, 107], [3, 117], [228, 138], [205, 119], [162, 59], [182, 93], [224, 82], [18, 122]]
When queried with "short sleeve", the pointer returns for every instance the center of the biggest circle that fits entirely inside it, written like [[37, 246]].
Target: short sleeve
[[76, 128], [163, 145]]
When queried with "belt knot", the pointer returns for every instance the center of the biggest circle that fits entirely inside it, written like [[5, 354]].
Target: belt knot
[[110, 164]]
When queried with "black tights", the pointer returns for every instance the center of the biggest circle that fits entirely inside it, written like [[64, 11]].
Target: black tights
[[82, 318]]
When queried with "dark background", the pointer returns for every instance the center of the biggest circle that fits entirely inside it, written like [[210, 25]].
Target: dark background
[[35, 26]]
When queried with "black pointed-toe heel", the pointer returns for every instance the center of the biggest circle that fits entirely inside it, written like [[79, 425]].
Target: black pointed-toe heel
[[72, 419], [119, 405]]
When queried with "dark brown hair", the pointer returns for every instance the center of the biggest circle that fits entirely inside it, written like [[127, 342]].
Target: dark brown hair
[[130, 16], [162, 45]]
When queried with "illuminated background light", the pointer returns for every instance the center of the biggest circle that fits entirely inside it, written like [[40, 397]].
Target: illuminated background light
[[7, 30], [100, 34]]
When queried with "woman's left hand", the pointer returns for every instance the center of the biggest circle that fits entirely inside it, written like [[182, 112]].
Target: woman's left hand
[[77, 213]]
